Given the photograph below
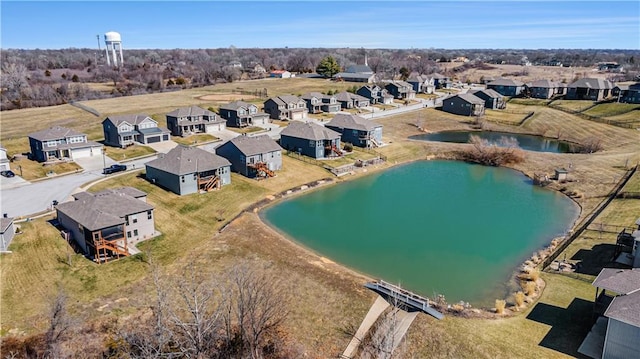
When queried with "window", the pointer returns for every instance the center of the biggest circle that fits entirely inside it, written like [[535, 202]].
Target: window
[[52, 143], [126, 219], [182, 179], [312, 143], [134, 218], [149, 215], [135, 232], [128, 234], [96, 235]]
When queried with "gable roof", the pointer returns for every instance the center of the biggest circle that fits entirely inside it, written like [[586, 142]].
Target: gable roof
[[130, 119], [54, 133], [543, 84], [353, 75], [505, 82], [625, 308], [467, 97], [102, 210], [309, 131], [310, 95], [361, 69], [285, 99], [592, 83], [235, 105], [191, 111], [621, 281], [436, 75], [488, 92], [348, 96], [352, 122], [253, 145], [183, 160], [399, 83]]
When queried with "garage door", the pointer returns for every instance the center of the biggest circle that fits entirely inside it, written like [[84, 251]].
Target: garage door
[[81, 152], [154, 139]]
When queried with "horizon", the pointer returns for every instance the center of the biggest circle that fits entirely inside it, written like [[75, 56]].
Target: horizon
[[451, 25]]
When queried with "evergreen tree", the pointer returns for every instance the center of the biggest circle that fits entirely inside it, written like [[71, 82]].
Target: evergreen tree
[[328, 67]]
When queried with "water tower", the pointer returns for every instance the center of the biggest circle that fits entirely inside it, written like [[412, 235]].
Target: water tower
[[113, 43]]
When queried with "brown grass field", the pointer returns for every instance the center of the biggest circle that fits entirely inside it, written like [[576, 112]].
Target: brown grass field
[[330, 297]]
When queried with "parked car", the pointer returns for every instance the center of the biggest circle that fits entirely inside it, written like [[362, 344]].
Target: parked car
[[7, 174], [114, 168]]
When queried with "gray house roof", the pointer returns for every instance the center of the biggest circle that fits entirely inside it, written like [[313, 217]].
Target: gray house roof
[[285, 99], [54, 133], [353, 75], [361, 69], [489, 92], [309, 131], [191, 111], [183, 160], [436, 75], [310, 95], [621, 281], [5, 223], [352, 122], [235, 105], [253, 145], [469, 98], [625, 308], [548, 84], [348, 96], [130, 119], [505, 82], [596, 84], [102, 210]]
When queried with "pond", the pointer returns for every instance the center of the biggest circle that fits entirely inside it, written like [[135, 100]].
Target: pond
[[526, 142], [442, 227]]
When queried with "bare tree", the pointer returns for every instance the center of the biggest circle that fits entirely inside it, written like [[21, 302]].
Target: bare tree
[[59, 324]]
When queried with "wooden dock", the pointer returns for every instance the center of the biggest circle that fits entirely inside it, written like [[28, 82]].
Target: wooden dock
[[396, 295]]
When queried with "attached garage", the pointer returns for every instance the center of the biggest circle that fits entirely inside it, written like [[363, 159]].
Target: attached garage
[[154, 139], [84, 152], [298, 116]]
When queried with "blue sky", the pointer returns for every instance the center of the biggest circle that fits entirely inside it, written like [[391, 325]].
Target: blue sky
[[369, 24]]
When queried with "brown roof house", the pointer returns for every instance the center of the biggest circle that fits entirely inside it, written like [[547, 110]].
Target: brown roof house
[[589, 89], [615, 334], [310, 139], [252, 156], [60, 143], [286, 107], [464, 104], [185, 170], [107, 224], [185, 121]]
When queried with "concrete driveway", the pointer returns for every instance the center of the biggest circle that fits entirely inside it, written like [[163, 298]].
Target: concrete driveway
[[16, 181], [162, 147], [94, 163]]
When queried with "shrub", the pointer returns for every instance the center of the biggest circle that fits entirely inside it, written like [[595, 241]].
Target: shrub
[[500, 304], [528, 287], [489, 154], [519, 298], [348, 147]]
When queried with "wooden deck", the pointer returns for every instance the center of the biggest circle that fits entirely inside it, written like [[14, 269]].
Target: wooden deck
[[397, 295]]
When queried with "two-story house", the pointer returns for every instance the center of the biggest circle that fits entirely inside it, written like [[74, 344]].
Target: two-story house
[[401, 90], [464, 104], [60, 143], [594, 89], [349, 100], [506, 87], [242, 114], [184, 170], [105, 224], [252, 156], [318, 102], [356, 130], [310, 139], [375, 94], [125, 130], [286, 107], [421, 83], [193, 119], [492, 99]]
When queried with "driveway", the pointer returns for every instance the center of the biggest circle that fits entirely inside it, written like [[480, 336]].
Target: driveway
[[162, 147], [94, 163], [16, 181]]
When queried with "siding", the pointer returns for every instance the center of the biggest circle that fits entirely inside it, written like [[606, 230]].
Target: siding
[[306, 147], [144, 226], [72, 227], [164, 179], [36, 150], [111, 137], [6, 237], [456, 106], [622, 340]]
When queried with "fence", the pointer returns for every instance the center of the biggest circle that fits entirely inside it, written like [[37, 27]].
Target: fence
[[591, 217], [257, 92], [593, 118]]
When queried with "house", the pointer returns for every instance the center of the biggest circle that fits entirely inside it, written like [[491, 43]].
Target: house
[[350, 100], [281, 74], [59, 143], [464, 104], [616, 333], [630, 94], [401, 90], [375, 94], [310, 139], [186, 170], [357, 73], [422, 83], [105, 224], [492, 99], [235, 64], [318, 102], [242, 114], [257, 68], [627, 251], [125, 130], [4, 161], [7, 231], [286, 107], [185, 121], [356, 130], [252, 156], [544, 89], [506, 87], [440, 81], [589, 89]]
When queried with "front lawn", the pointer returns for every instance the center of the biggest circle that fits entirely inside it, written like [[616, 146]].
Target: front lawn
[[130, 152], [30, 170], [194, 139], [248, 129]]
